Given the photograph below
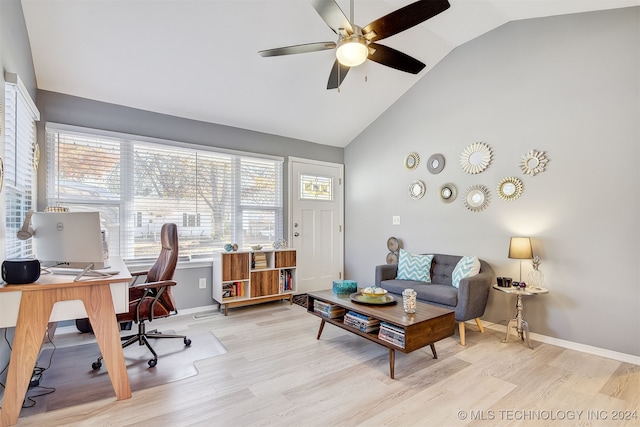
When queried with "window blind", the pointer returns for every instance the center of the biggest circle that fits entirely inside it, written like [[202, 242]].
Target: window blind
[[214, 197], [20, 115]]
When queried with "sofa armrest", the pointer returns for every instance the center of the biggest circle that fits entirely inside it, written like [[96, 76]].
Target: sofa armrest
[[386, 272], [473, 293]]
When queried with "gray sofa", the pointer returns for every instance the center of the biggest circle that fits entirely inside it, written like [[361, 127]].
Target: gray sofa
[[468, 301]]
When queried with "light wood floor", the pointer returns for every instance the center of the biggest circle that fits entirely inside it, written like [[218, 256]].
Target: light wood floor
[[276, 373]]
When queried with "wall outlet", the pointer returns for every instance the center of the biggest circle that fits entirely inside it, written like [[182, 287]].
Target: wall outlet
[[396, 220], [203, 283]]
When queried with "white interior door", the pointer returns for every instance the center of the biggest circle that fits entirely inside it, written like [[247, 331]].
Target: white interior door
[[316, 219]]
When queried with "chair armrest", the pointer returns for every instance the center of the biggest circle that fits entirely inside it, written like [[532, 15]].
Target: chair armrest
[[154, 285], [473, 294], [385, 272]]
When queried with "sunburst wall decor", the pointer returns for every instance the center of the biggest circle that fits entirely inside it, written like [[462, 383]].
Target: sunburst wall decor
[[533, 162], [475, 158]]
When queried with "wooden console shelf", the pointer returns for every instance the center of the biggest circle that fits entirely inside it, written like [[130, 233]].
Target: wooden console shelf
[[253, 277]]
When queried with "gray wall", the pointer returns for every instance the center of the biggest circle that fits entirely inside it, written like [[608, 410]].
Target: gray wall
[[568, 85], [70, 110]]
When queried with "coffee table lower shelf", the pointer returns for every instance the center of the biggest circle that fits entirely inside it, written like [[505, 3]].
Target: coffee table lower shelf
[[427, 326]]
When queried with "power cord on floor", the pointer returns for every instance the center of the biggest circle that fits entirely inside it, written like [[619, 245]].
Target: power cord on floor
[[35, 377]]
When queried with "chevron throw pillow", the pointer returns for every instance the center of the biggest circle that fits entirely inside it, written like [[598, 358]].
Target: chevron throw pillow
[[414, 267], [467, 266]]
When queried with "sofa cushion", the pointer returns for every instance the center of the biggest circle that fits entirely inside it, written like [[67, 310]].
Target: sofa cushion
[[467, 266], [438, 294], [414, 267]]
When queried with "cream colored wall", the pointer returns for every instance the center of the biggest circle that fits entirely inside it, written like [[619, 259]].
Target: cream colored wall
[[568, 85]]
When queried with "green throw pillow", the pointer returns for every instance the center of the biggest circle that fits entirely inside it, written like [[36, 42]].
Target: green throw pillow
[[467, 266], [414, 267]]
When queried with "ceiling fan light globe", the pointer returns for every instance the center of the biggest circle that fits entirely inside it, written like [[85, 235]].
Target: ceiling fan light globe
[[352, 52]]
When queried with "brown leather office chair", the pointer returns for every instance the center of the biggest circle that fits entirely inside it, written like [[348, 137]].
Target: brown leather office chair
[[153, 299]]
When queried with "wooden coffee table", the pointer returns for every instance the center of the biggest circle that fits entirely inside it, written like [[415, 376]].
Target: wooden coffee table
[[424, 327]]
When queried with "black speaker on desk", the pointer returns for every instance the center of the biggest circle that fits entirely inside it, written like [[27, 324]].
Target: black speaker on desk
[[19, 271]]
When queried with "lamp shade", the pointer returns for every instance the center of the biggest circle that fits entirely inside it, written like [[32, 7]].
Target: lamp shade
[[520, 248]]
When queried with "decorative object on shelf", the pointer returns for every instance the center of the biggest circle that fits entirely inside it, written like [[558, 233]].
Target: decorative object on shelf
[[256, 247], [344, 287], [228, 247], [533, 162], [477, 198], [409, 300], [520, 248], [475, 158], [448, 192], [235, 247], [510, 188], [435, 164], [416, 189], [280, 244], [536, 278], [394, 246], [411, 160]]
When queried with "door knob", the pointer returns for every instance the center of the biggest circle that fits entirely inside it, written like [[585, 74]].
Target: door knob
[[296, 234]]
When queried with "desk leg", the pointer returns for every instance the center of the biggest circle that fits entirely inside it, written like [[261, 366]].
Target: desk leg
[[33, 317], [102, 316]]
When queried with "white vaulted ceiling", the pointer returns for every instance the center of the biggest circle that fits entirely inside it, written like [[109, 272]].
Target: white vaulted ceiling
[[198, 59]]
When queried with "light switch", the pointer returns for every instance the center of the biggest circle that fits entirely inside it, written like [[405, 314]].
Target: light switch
[[396, 220]]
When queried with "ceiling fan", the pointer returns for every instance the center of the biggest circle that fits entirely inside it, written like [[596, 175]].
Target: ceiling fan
[[355, 44]]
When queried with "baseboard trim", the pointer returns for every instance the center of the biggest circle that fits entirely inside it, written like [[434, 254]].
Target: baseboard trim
[[596, 351]]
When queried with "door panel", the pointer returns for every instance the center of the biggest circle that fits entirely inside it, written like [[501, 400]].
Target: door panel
[[315, 229]]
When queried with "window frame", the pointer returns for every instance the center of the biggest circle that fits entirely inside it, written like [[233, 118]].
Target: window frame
[[128, 213]]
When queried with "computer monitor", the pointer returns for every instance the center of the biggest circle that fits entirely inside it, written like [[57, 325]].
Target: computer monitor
[[68, 239]]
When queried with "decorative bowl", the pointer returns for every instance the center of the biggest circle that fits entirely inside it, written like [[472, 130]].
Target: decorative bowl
[[374, 293], [256, 247]]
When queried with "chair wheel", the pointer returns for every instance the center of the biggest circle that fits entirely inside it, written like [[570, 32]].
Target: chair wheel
[[187, 341], [96, 365], [152, 363]]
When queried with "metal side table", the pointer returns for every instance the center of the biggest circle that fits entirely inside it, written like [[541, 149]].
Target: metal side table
[[518, 323]]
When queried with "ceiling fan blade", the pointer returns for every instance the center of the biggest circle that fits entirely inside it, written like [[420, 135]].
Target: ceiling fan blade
[[336, 77], [331, 13], [301, 48], [395, 59], [404, 18]]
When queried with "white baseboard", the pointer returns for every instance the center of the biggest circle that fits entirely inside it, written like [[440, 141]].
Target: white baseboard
[[597, 351]]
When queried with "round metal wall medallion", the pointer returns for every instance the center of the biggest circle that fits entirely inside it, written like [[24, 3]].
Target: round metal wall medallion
[[510, 188], [533, 162], [411, 160], [435, 164], [448, 192], [475, 158], [477, 198], [416, 189]]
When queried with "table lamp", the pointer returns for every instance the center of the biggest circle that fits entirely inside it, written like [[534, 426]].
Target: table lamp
[[520, 248]]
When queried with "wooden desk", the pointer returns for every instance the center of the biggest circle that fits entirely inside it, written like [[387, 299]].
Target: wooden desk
[[36, 308]]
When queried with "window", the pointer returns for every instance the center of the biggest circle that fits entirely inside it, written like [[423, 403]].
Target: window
[[214, 197], [316, 188], [20, 145]]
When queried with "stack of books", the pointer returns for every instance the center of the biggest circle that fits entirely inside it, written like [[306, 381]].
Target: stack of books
[[361, 322], [230, 290], [391, 333], [327, 310], [286, 281], [259, 260]]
